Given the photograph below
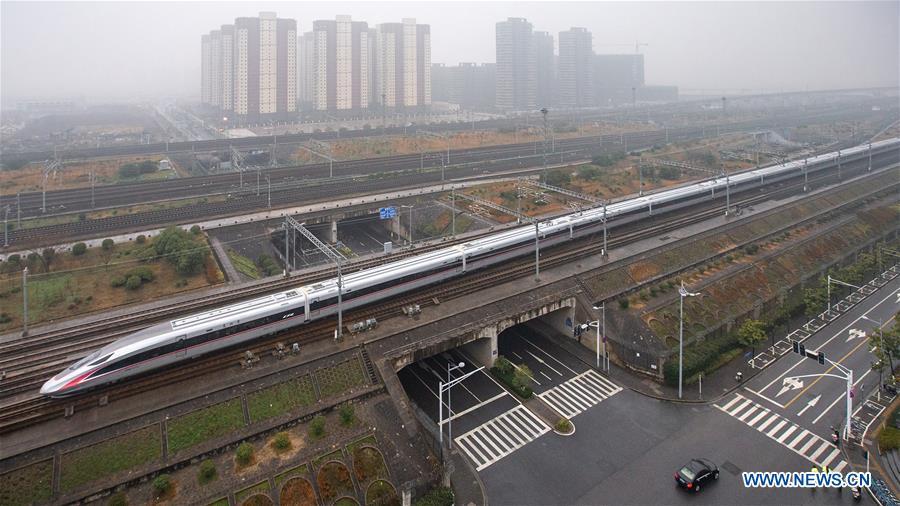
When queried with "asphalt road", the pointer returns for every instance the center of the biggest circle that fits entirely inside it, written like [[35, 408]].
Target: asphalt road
[[791, 386]]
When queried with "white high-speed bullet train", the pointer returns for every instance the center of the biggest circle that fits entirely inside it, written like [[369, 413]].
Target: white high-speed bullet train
[[198, 334]]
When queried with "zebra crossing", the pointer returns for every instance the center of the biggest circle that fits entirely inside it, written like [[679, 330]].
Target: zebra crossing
[[788, 434], [579, 393], [500, 436]]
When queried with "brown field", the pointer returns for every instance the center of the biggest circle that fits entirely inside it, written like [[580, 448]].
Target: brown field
[[75, 174], [77, 285]]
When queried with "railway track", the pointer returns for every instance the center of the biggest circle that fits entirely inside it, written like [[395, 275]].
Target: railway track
[[33, 408], [79, 199]]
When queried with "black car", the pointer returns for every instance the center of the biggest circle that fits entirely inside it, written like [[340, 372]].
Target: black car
[[695, 473]]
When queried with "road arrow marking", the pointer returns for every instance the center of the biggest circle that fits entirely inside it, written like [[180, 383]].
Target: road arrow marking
[[790, 383], [810, 404], [854, 333]]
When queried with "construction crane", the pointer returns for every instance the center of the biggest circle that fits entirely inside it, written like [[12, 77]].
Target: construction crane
[[637, 46]]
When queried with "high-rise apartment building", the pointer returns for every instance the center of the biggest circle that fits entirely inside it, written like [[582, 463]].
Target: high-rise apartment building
[[545, 70], [341, 63], [575, 68], [516, 84], [249, 69], [403, 64], [615, 75], [468, 84], [305, 72]]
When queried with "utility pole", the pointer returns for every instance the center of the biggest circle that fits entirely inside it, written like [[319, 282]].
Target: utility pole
[[604, 251], [544, 112], [92, 189], [537, 251], [870, 158], [453, 211], [6, 227], [269, 183], [682, 293], [383, 116], [25, 301], [18, 211]]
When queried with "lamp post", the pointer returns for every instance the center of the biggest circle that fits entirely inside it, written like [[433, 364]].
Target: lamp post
[[682, 292], [537, 251], [601, 330], [839, 282], [445, 387], [883, 349]]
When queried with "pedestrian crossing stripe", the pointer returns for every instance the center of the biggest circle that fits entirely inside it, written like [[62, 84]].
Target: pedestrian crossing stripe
[[786, 433], [500, 436], [579, 393]]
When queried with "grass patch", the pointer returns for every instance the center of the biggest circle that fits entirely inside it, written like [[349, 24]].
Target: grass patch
[[80, 284], [366, 441], [243, 264], [335, 455], [368, 464], [260, 488], [382, 493], [108, 457], [198, 426], [222, 501], [339, 379], [889, 438], [301, 470], [281, 398], [439, 496], [298, 491], [334, 481], [28, 484]]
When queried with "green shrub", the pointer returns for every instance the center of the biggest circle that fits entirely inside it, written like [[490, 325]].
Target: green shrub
[[515, 378], [117, 281], [889, 439], [623, 303], [207, 471], [79, 249], [440, 496], [195, 230], [347, 414], [244, 453], [563, 425], [143, 272], [281, 442], [162, 484], [133, 282], [317, 426], [118, 499], [107, 244], [699, 357]]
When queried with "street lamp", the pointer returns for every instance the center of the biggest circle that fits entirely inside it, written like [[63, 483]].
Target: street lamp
[[682, 292], [445, 387], [451, 368], [839, 282], [601, 329], [883, 349]]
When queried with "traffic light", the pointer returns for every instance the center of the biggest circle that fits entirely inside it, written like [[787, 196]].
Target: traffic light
[[822, 357], [802, 349], [796, 346]]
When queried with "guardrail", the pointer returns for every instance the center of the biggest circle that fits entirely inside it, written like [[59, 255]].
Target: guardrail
[[772, 353]]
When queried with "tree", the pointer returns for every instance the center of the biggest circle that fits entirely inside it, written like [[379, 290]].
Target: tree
[[814, 299], [347, 414], [317, 426], [48, 255], [133, 282], [752, 333], [162, 484], [107, 248], [79, 249], [207, 471], [181, 250]]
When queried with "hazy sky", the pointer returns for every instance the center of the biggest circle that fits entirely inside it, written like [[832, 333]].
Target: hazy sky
[[121, 50]]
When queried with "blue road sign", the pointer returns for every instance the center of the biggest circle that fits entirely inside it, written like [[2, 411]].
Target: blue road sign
[[386, 213]]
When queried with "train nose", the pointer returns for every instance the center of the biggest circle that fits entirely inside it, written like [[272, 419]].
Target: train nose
[[52, 385]]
